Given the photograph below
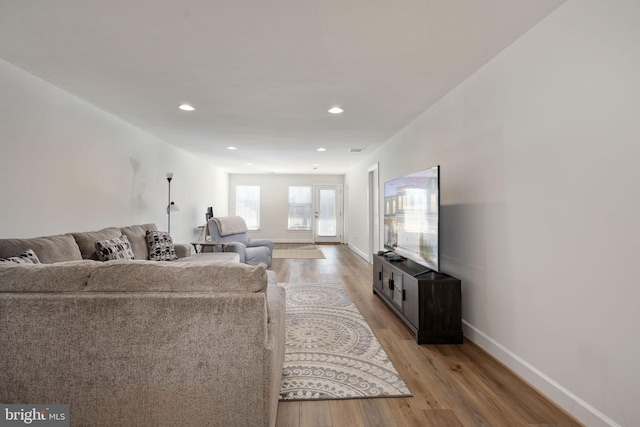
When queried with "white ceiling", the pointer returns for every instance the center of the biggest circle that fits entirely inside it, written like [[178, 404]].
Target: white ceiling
[[262, 74]]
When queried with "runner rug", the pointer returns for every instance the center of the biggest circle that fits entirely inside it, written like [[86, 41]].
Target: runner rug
[[330, 351], [298, 253]]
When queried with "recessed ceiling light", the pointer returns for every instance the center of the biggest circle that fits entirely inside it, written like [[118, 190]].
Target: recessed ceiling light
[[186, 107], [356, 150], [335, 110], [249, 164], [322, 149], [231, 148]]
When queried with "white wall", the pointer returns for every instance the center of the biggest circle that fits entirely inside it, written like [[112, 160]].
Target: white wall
[[274, 202], [539, 152], [69, 166]]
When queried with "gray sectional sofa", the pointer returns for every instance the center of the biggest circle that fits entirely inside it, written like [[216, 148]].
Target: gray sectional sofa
[[193, 342]]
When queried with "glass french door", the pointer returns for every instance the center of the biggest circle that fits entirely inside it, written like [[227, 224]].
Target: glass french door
[[328, 214]]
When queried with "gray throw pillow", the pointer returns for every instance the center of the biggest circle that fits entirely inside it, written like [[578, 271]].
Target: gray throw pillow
[[111, 249], [27, 257], [161, 247]]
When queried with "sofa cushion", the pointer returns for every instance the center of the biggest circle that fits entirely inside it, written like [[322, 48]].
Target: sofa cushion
[[183, 250], [113, 249], [137, 235], [210, 257], [87, 241], [49, 249], [27, 257], [165, 276], [71, 276], [160, 246]]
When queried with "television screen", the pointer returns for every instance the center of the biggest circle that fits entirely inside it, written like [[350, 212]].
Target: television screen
[[411, 216]]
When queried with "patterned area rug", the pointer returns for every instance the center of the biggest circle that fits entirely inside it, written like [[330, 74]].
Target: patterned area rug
[[298, 253], [331, 353]]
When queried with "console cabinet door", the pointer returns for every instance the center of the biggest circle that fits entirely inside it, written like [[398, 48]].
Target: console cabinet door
[[387, 279], [397, 288], [411, 309], [377, 274]]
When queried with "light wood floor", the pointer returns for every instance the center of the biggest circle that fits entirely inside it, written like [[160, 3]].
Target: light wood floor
[[452, 385]]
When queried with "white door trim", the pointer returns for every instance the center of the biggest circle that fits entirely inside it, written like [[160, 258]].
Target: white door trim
[[373, 203]]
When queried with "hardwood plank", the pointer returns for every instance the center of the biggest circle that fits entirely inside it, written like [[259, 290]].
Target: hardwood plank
[[346, 412], [315, 413], [288, 414], [407, 411], [440, 418], [377, 413]]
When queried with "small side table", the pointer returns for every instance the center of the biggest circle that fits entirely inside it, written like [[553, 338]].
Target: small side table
[[199, 246]]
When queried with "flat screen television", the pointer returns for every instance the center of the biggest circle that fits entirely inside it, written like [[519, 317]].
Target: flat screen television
[[412, 217]]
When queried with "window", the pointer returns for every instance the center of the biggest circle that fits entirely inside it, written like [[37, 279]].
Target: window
[[299, 208], [248, 205]]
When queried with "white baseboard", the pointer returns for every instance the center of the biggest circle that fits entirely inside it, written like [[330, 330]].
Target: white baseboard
[[359, 252], [538, 379]]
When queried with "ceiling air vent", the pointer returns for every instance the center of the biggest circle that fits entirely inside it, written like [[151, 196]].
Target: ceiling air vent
[[356, 150]]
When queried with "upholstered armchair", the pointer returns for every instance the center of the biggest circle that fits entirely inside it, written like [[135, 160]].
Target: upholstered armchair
[[233, 229]]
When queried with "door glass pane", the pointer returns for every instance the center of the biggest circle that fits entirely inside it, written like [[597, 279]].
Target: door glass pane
[[327, 212]]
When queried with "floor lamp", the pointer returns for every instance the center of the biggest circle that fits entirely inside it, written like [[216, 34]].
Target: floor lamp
[[171, 207]]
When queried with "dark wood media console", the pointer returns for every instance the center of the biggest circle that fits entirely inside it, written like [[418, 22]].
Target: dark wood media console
[[429, 303]]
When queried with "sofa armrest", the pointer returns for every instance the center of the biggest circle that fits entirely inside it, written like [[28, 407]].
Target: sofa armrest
[[183, 250], [238, 248]]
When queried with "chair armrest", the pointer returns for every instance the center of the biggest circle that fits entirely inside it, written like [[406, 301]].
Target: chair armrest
[[261, 242], [238, 248]]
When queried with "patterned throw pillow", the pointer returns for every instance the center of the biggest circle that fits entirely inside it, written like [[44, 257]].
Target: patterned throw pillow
[[111, 249], [160, 246], [27, 257]]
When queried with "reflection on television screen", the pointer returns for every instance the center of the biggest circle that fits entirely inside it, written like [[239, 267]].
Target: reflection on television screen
[[411, 216]]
